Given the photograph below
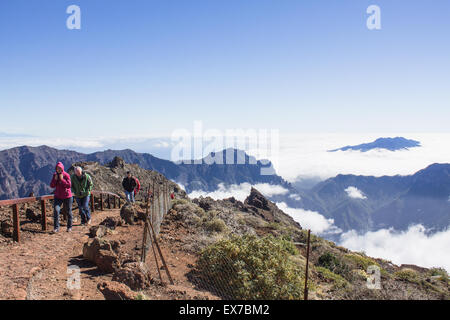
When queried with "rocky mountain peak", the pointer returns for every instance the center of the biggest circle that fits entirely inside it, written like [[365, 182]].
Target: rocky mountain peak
[[256, 199], [117, 162]]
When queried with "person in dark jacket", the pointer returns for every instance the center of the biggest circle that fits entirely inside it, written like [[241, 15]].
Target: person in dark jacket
[[81, 188], [129, 184], [63, 195]]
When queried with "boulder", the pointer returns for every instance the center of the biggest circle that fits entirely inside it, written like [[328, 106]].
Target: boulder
[[32, 215], [6, 228], [128, 213], [112, 222], [134, 274], [103, 253], [141, 215], [113, 290], [99, 231]]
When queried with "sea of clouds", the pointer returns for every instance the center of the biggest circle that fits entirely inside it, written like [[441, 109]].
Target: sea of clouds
[[413, 246]]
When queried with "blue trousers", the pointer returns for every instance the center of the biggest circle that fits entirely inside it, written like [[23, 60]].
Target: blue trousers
[[85, 210], [129, 196], [57, 209]]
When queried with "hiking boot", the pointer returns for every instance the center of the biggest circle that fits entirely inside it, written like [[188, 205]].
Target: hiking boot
[[89, 222], [56, 230], [69, 229]]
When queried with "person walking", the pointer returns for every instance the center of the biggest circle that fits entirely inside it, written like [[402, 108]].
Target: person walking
[[138, 187], [63, 195], [82, 186], [129, 184]]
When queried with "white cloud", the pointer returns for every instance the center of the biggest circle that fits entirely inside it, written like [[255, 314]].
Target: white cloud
[[413, 246], [306, 156], [239, 192], [295, 197], [355, 193], [311, 220]]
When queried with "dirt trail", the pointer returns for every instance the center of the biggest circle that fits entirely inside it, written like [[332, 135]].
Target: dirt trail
[[37, 267]]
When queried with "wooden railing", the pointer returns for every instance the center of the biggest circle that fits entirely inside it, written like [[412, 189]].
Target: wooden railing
[[111, 201]]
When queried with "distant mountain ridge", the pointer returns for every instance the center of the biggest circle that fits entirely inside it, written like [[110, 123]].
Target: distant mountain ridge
[[392, 144], [391, 201], [28, 169]]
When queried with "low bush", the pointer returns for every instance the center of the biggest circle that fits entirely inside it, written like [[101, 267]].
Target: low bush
[[249, 267], [215, 225], [408, 275], [326, 274]]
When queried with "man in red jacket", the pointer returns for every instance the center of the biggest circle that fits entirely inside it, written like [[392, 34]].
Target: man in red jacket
[[138, 186], [63, 195]]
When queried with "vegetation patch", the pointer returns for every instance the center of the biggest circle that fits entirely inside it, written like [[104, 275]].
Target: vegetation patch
[[440, 273], [215, 225], [361, 262], [249, 267], [326, 274], [329, 261], [407, 274]]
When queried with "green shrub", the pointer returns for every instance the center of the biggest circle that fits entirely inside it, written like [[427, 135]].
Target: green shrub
[[141, 296], [439, 272], [179, 201], [407, 275], [361, 262], [338, 281], [332, 263], [249, 267], [215, 225]]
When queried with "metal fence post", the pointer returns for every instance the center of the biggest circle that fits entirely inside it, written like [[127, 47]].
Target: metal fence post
[[305, 294]]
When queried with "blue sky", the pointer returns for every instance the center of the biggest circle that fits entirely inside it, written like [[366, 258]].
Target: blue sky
[[149, 67]]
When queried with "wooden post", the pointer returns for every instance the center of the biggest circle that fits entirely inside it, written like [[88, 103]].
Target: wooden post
[[114, 202], [16, 223], [166, 203], [43, 216], [306, 271], [119, 202], [144, 236], [109, 201], [161, 255], [153, 202], [156, 260], [92, 203], [101, 201]]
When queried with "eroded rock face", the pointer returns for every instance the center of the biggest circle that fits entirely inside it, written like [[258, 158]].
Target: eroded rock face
[[113, 290], [257, 200], [134, 274], [103, 253]]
